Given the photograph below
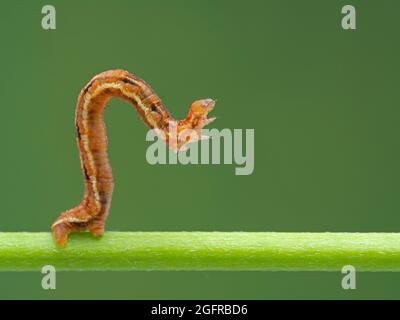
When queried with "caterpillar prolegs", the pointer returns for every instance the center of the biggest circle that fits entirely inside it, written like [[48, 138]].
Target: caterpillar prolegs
[[91, 139]]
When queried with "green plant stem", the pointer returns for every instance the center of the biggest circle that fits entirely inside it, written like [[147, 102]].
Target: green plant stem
[[203, 251]]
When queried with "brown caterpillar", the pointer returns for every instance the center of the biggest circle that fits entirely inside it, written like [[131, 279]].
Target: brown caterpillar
[[91, 139]]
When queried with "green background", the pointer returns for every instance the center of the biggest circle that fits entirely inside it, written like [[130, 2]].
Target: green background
[[324, 103]]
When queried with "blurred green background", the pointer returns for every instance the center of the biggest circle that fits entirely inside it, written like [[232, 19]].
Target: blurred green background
[[324, 104]]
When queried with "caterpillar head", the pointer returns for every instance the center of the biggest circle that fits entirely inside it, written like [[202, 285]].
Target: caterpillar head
[[190, 129], [200, 109], [180, 133]]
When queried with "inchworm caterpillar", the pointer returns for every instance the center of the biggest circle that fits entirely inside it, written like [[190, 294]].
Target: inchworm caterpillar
[[91, 139]]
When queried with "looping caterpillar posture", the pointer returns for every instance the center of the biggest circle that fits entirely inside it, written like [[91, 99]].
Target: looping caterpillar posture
[[92, 143]]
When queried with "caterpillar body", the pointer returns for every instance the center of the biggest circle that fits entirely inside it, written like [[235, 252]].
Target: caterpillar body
[[91, 140]]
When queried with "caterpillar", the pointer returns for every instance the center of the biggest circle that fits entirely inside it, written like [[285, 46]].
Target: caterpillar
[[91, 214]]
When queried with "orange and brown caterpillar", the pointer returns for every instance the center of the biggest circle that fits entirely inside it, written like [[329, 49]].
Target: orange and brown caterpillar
[[91, 139]]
